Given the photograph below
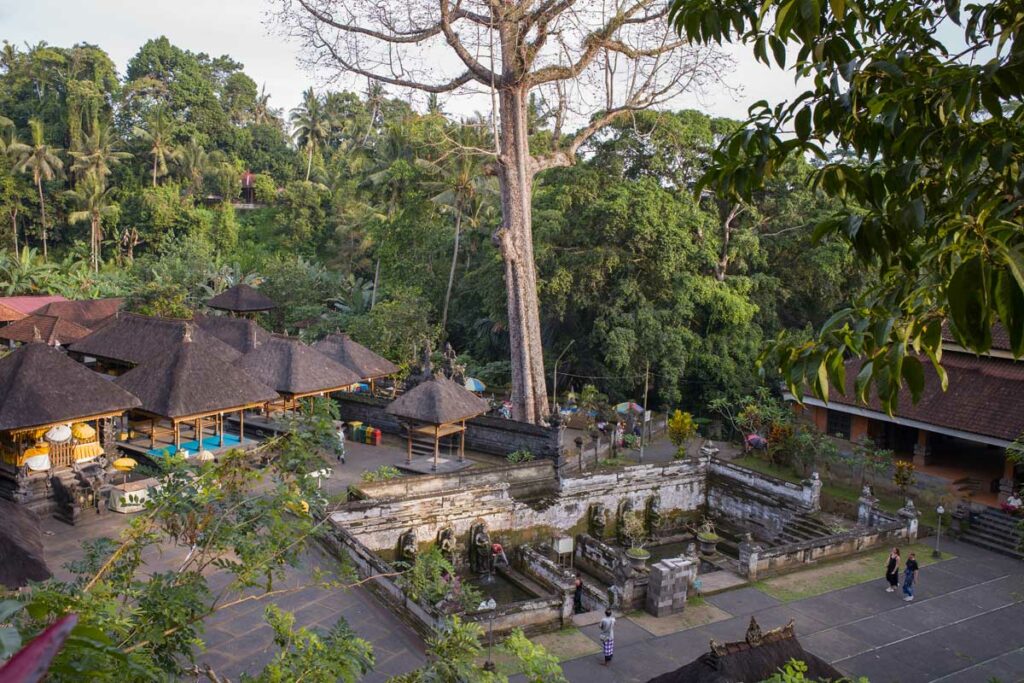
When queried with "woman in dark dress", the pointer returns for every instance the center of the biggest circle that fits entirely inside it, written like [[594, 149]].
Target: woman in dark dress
[[577, 598], [892, 571]]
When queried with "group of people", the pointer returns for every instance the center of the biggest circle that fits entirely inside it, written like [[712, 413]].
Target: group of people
[[910, 570]]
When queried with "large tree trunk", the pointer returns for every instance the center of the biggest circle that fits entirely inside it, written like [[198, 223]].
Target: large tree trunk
[[515, 238], [96, 244], [14, 229], [451, 272], [42, 214], [155, 157], [309, 162]]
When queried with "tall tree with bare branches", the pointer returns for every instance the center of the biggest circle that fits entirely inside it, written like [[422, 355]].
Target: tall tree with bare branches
[[596, 61]]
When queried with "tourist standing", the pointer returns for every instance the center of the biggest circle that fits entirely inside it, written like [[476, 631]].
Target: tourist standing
[[608, 636], [341, 443], [909, 577], [892, 571], [577, 596]]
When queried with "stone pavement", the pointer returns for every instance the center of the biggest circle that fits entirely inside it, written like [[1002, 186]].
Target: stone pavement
[[238, 639], [966, 625]]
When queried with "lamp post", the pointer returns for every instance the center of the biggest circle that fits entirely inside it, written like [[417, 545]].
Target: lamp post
[[938, 534], [554, 378], [491, 605]]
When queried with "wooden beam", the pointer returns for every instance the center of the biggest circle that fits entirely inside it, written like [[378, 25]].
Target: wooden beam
[[462, 443], [241, 426]]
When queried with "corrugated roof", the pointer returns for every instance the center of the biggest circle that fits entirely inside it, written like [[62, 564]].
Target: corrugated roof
[[40, 385], [241, 299], [131, 339], [290, 367], [438, 401], [52, 330], [985, 396], [186, 379], [366, 363]]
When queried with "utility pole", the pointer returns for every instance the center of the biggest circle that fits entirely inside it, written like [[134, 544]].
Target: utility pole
[[643, 418]]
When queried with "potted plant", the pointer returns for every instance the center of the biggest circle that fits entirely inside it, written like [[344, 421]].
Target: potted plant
[[707, 537], [637, 535]]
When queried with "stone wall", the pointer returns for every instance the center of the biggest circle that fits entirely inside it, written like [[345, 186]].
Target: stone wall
[[492, 435], [758, 500], [757, 562], [524, 479]]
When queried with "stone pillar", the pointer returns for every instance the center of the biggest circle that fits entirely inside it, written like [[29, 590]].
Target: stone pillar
[[866, 508], [749, 555], [922, 449], [908, 513], [812, 488]]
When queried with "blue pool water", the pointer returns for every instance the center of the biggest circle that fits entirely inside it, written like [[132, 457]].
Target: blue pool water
[[210, 443]]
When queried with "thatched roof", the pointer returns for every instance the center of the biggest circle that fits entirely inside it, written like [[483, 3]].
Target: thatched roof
[[241, 334], [755, 659], [40, 386], [22, 559], [89, 313], [17, 307], [355, 356], [187, 379], [290, 367], [50, 329], [241, 299], [438, 401], [131, 338]]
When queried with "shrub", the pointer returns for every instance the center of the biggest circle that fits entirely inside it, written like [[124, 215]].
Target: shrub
[[264, 188], [681, 428], [903, 476], [521, 455], [382, 473]]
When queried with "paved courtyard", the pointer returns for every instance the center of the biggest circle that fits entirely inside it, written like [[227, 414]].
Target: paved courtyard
[[966, 626]]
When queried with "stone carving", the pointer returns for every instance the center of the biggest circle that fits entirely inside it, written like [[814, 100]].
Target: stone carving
[[424, 371], [446, 542], [407, 547], [866, 492], [451, 368], [598, 520], [625, 507], [652, 515], [708, 449], [754, 635], [481, 559]]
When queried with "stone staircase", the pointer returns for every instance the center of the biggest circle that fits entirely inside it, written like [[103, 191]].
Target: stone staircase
[[802, 528], [996, 531]]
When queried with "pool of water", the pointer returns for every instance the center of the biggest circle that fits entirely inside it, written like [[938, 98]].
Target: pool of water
[[501, 589], [667, 550]]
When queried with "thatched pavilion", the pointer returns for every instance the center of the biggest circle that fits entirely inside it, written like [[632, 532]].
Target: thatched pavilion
[[757, 657], [294, 370], [52, 414], [435, 409], [241, 299], [361, 360], [188, 385], [49, 329], [128, 339], [241, 334]]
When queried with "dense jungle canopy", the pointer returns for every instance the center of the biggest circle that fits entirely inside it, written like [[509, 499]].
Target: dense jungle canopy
[[370, 216]]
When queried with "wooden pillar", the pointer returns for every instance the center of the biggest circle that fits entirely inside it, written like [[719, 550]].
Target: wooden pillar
[[152, 433], [241, 426], [177, 435], [462, 443], [199, 435], [220, 428], [408, 444], [435, 448]]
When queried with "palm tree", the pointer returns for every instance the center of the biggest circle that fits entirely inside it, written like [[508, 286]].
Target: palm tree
[[311, 126], [93, 198], [462, 189], [97, 153], [195, 164], [25, 273], [261, 110], [41, 160], [158, 140]]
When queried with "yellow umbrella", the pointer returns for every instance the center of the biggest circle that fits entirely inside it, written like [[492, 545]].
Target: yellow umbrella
[[125, 465]]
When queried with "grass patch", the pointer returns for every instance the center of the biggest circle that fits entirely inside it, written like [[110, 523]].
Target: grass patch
[[566, 644], [839, 574], [764, 467]]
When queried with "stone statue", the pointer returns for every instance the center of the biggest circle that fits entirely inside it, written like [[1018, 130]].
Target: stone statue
[[866, 492], [407, 547], [446, 543], [652, 515], [691, 549], [452, 369], [424, 371], [625, 507], [598, 520], [480, 557], [754, 635]]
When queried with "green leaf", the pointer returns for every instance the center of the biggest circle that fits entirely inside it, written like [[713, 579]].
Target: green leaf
[[821, 388], [968, 305], [913, 373], [838, 8], [802, 123], [1009, 302], [863, 381]]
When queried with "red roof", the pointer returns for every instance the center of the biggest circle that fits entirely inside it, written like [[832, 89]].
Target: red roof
[[985, 396], [1000, 337], [17, 307]]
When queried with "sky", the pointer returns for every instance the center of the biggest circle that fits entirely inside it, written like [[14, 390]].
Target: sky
[[237, 28]]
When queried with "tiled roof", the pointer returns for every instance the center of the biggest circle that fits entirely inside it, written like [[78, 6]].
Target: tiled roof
[[985, 396], [17, 307], [45, 328]]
